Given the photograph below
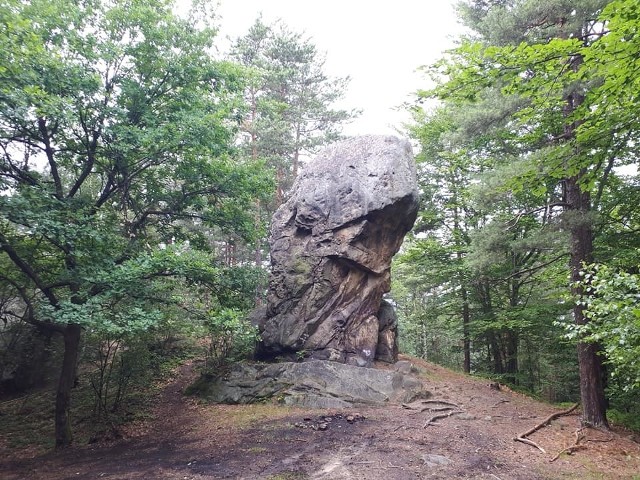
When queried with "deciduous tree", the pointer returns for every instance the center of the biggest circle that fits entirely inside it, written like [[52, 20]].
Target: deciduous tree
[[116, 128]]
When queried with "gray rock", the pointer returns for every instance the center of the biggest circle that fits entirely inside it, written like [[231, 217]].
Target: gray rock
[[387, 348], [314, 384], [433, 460], [331, 247], [403, 366], [467, 416]]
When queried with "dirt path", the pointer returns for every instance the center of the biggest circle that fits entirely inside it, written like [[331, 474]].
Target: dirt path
[[188, 440]]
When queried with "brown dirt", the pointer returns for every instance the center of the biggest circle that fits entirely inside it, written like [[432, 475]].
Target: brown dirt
[[192, 440]]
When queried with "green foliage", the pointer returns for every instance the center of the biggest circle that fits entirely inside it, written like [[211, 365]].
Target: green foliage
[[118, 170], [538, 108], [231, 337], [612, 305], [134, 122], [624, 409], [138, 371], [289, 111]]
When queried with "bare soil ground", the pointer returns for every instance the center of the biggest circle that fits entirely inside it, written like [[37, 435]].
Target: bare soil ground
[[188, 439]]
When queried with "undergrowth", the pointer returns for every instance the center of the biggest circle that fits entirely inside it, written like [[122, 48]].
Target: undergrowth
[[26, 422]]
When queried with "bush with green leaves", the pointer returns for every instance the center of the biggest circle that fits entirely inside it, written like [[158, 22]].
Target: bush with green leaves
[[612, 303], [231, 337]]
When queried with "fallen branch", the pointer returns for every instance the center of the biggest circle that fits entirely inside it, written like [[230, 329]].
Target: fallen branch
[[600, 440], [522, 437], [529, 442], [438, 417]]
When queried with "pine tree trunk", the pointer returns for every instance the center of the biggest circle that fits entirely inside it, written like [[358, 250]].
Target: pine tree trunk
[[591, 374], [496, 353], [63, 434], [511, 337], [511, 356], [594, 410], [466, 341]]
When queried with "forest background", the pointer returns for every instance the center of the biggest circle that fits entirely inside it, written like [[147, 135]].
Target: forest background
[[139, 170]]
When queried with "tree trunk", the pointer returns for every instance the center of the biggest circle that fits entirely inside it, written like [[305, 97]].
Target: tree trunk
[[594, 410], [466, 341], [511, 356], [71, 337], [280, 177], [496, 353], [511, 337], [591, 384]]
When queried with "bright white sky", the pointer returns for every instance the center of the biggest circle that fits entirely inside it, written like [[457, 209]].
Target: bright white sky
[[379, 44]]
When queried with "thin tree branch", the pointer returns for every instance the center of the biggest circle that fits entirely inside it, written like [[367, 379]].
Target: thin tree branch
[[27, 270], [44, 131], [534, 268]]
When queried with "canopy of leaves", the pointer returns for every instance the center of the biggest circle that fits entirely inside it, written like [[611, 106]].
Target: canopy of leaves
[[116, 132]]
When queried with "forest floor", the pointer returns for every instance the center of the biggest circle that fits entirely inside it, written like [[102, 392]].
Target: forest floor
[[189, 439]]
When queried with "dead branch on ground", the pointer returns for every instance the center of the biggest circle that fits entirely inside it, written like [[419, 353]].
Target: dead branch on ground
[[522, 437], [529, 442]]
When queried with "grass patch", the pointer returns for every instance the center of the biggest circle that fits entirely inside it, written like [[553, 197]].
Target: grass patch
[[240, 417], [629, 420], [27, 422]]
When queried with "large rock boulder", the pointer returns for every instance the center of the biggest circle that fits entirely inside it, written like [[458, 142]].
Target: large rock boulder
[[331, 247], [314, 384]]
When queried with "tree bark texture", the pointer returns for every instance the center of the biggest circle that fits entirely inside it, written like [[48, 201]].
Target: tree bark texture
[[71, 337], [590, 365], [594, 411], [466, 320]]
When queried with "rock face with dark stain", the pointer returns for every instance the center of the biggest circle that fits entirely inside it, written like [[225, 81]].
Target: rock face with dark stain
[[332, 243]]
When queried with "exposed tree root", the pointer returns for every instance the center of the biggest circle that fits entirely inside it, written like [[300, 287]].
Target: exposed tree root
[[522, 437], [432, 420], [424, 405], [572, 448], [580, 437]]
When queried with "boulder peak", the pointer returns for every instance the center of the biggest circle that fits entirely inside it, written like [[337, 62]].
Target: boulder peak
[[332, 243]]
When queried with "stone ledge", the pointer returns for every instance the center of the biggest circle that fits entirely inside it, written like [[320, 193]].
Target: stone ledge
[[312, 384]]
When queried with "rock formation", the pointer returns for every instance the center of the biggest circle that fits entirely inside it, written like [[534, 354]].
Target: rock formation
[[331, 247], [312, 384]]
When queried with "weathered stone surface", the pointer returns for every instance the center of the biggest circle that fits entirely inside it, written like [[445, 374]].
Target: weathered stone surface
[[387, 349], [403, 366], [331, 249], [315, 384]]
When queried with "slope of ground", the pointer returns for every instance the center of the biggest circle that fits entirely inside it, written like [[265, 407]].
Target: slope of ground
[[190, 440]]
